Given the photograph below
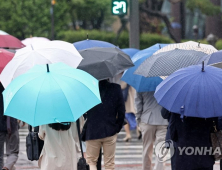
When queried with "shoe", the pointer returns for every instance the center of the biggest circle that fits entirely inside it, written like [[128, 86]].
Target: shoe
[[140, 135], [4, 168], [127, 139]]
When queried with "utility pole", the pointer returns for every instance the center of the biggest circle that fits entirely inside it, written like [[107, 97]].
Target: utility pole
[[52, 19], [134, 39]]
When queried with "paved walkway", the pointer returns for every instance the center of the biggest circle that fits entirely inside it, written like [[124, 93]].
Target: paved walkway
[[128, 155]]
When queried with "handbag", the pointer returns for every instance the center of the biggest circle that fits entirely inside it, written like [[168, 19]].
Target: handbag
[[34, 145], [216, 139], [81, 165]]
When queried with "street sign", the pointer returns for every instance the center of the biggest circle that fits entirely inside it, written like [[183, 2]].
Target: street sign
[[119, 7]]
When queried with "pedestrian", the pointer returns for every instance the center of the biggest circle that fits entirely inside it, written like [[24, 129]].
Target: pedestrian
[[103, 123], [152, 126], [61, 146], [220, 128], [167, 115], [129, 98], [9, 133], [193, 133]]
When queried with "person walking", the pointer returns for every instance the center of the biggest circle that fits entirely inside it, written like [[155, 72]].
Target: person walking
[[167, 115], [129, 97], [61, 146], [220, 128], [152, 126], [193, 133], [103, 123], [9, 133]]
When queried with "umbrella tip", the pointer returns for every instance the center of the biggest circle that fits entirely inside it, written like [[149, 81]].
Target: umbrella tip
[[87, 36], [202, 66], [47, 67], [159, 46]]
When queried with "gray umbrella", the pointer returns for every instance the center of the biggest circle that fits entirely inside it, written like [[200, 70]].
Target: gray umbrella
[[165, 63], [103, 63]]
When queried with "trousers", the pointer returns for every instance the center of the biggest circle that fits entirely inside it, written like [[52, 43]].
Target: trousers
[[12, 149], [93, 149], [151, 134]]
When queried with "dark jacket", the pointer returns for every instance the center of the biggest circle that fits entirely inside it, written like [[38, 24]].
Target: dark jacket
[[106, 119], [192, 132], [3, 124], [3, 127]]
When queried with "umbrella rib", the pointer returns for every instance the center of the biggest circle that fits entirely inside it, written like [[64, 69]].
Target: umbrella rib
[[65, 50], [37, 99], [63, 94], [78, 81]]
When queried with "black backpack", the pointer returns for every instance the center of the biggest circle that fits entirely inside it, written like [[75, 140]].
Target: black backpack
[[34, 145]]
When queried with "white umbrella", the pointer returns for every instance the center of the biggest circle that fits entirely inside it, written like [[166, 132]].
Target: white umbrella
[[41, 53], [3, 33], [32, 40]]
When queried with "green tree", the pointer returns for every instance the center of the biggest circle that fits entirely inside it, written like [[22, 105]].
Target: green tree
[[32, 17], [205, 6]]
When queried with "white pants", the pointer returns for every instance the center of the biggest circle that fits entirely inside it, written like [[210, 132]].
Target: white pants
[[152, 134]]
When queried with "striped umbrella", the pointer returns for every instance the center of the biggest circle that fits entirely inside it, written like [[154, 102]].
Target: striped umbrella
[[165, 63]]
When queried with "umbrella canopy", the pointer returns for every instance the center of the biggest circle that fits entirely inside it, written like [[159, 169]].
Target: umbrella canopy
[[214, 58], [192, 92], [8, 41], [5, 57], [32, 40], [3, 33], [189, 45], [57, 94], [103, 63], [140, 83], [130, 51], [82, 45], [44, 53], [165, 63]]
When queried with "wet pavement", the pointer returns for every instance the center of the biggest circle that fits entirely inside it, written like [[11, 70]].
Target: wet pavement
[[128, 154]]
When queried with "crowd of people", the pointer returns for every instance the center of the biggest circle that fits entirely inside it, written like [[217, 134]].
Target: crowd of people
[[100, 126]]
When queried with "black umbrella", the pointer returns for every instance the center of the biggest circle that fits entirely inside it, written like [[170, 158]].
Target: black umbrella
[[103, 63]]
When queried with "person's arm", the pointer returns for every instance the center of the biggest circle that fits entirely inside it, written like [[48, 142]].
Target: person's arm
[[42, 132], [139, 106], [120, 109], [165, 113]]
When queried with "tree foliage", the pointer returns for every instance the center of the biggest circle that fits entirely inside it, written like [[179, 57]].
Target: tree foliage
[[23, 18], [205, 6]]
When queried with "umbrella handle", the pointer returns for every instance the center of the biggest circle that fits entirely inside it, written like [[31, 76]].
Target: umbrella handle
[[182, 112], [56, 120]]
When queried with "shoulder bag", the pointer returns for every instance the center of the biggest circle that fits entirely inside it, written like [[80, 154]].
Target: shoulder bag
[[34, 145]]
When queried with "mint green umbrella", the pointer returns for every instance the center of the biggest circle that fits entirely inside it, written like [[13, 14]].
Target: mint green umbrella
[[50, 94]]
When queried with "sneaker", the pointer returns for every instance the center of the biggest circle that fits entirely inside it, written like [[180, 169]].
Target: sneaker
[[4, 168]]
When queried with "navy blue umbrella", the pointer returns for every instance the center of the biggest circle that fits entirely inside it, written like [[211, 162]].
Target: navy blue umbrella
[[194, 91], [130, 51], [214, 58], [82, 45]]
